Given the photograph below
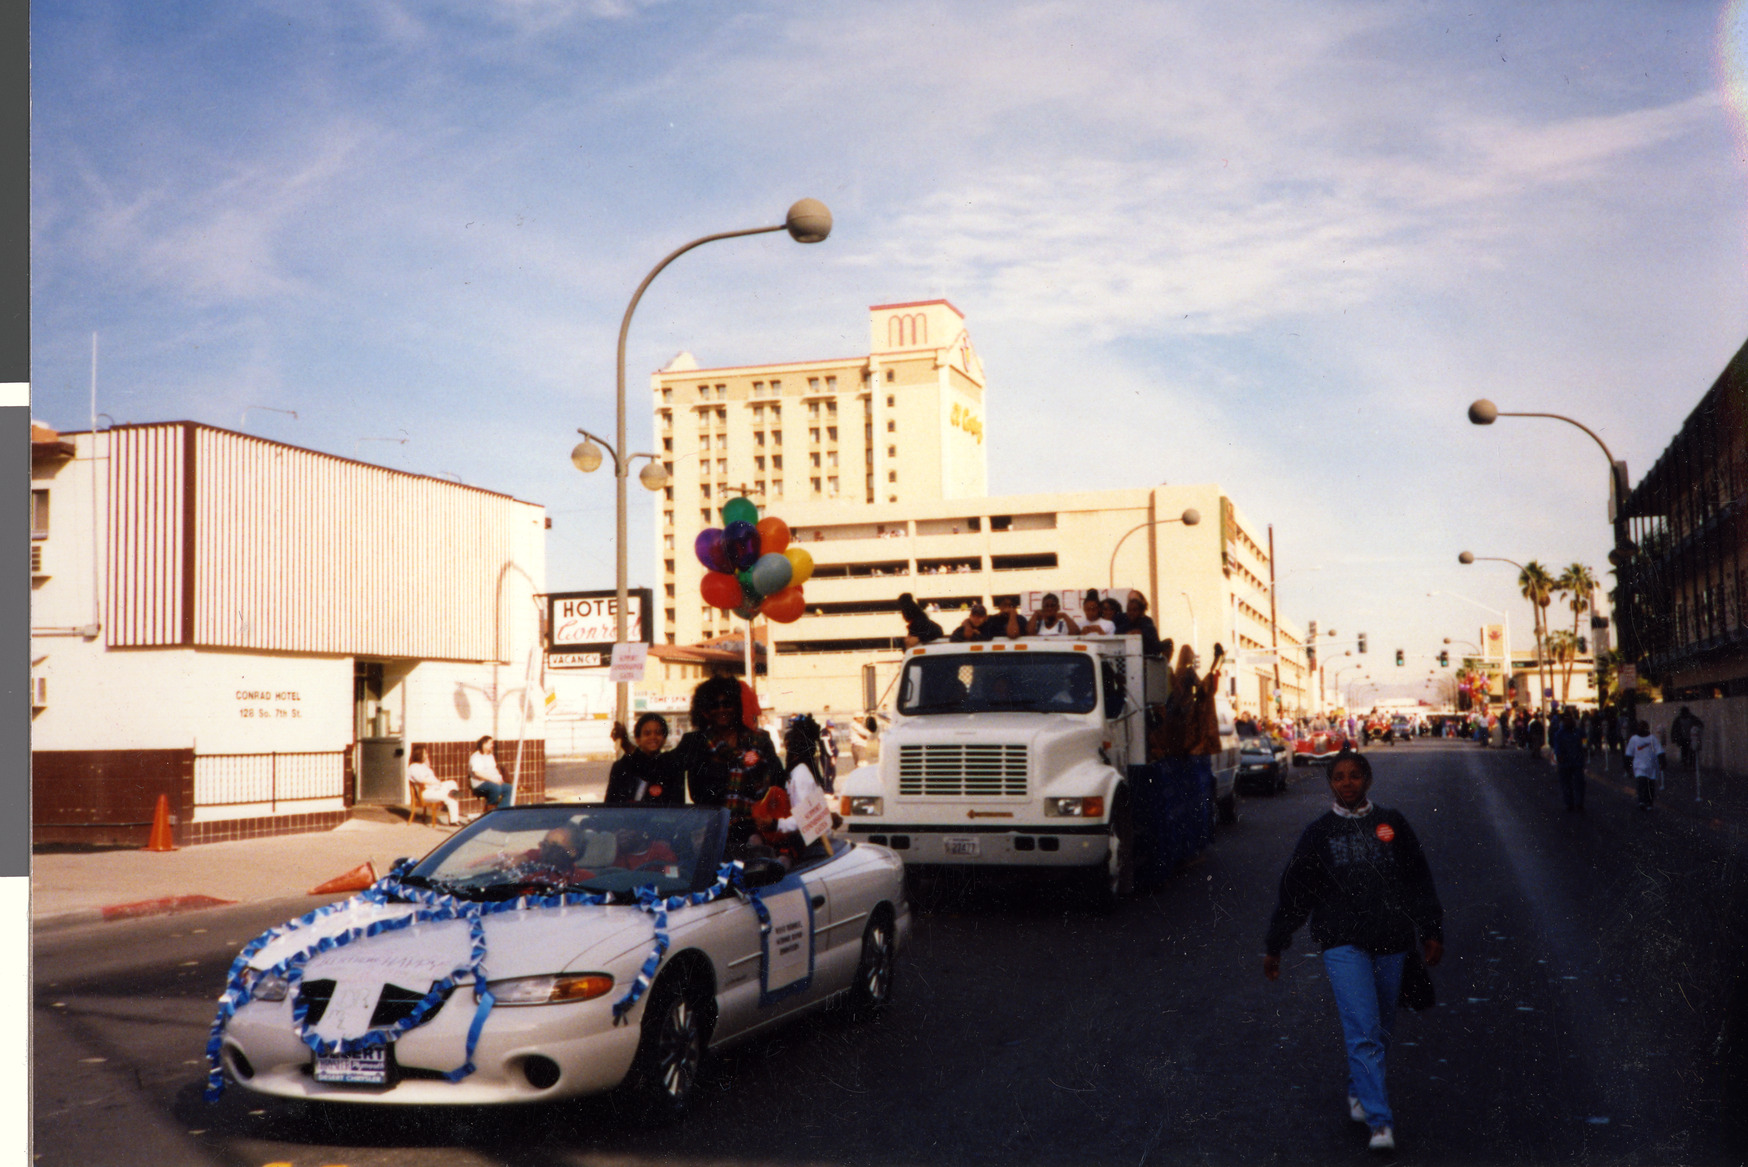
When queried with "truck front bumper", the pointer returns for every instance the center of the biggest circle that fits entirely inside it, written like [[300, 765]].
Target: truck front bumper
[[1059, 843]]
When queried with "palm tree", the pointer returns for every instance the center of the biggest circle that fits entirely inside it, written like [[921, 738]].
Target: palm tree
[[1538, 588], [1563, 650], [1577, 583]]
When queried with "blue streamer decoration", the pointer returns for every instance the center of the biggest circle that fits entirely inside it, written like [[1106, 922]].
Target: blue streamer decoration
[[431, 906]]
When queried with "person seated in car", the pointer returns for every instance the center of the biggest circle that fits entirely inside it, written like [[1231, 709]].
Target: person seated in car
[[556, 855], [644, 774], [723, 762], [636, 849]]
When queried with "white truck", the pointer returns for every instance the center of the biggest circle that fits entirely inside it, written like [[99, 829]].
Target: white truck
[[1018, 754]]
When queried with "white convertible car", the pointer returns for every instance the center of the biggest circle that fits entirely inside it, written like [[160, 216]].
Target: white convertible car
[[552, 951]]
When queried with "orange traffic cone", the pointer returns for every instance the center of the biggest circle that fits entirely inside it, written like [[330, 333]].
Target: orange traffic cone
[[160, 838], [357, 879]]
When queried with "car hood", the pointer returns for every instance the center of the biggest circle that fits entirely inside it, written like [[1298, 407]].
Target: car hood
[[523, 942]]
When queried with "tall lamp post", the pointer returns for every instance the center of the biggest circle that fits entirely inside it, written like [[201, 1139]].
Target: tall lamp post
[[1469, 557], [808, 221], [1189, 518], [1484, 412]]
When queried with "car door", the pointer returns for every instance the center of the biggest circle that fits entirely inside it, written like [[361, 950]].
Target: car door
[[771, 958]]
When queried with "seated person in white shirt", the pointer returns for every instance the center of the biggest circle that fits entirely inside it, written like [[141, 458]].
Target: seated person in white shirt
[[428, 788], [1094, 623], [1051, 620]]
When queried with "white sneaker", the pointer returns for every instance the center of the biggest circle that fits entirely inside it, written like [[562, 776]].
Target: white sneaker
[[1354, 1110], [1383, 1139]]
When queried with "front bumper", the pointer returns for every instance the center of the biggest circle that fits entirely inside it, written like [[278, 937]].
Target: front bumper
[[1058, 843], [592, 1054]]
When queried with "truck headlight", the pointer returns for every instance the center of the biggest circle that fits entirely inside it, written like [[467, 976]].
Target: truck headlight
[[1075, 808], [864, 806], [551, 990]]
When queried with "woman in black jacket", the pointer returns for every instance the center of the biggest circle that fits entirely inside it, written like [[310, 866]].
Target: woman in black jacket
[[723, 761], [1360, 876], [645, 774]]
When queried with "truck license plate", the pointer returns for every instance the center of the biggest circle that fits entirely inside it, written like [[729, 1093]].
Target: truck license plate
[[960, 845], [367, 1067]]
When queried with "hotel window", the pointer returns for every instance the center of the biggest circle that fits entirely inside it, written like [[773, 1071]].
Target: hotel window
[[703, 513], [776, 414], [815, 482], [759, 486], [703, 492], [777, 488], [891, 452], [722, 441], [892, 498], [776, 387], [670, 565], [815, 459], [703, 419], [813, 434], [776, 437], [891, 376], [813, 409], [668, 493], [722, 417], [667, 519], [831, 409], [670, 543], [891, 476], [813, 384], [759, 441], [667, 396], [758, 415], [39, 514], [831, 459], [776, 461], [667, 448], [721, 468], [890, 402], [667, 419], [891, 428], [758, 391], [758, 464], [832, 484], [831, 386], [831, 433], [721, 392], [704, 393]]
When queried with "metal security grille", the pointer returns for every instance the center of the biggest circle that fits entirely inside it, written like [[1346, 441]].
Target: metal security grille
[[235, 779], [953, 770]]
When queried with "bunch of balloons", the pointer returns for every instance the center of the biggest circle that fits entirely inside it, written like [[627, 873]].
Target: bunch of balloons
[[752, 569]]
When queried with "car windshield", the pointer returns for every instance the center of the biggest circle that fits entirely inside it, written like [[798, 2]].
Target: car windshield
[[548, 850], [1255, 745], [1026, 682]]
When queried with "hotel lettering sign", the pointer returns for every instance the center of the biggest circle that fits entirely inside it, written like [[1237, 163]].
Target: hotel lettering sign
[[586, 622]]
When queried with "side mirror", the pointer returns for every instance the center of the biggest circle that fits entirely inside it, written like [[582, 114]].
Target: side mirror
[[764, 871]]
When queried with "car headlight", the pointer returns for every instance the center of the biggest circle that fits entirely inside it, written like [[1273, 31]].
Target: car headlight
[[1073, 808], [551, 990], [864, 805], [265, 986]]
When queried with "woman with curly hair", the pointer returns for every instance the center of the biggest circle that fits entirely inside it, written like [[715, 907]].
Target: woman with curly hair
[[724, 762]]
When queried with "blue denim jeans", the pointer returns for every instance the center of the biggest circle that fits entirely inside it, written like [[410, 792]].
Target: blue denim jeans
[[495, 793], [1365, 996]]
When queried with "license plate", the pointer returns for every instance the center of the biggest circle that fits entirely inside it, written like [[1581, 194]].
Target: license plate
[[960, 845], [365, 1068]]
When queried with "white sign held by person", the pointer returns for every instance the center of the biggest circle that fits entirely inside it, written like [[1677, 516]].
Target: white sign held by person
[[628, 661], [813, 818]]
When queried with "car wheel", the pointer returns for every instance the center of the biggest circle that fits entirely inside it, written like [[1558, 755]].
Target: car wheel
[[665, 1070], [871, 991], [1115, 877]]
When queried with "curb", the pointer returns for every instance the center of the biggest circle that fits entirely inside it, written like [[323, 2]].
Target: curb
[[162, 906]]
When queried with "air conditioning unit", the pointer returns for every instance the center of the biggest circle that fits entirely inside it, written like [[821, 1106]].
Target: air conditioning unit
[[39, 692]]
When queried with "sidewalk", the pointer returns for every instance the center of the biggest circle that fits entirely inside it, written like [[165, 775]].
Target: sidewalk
[[82, 887], [69, 888], [1721, 804]]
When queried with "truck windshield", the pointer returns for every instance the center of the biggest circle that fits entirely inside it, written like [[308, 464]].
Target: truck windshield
[[1032, 682]]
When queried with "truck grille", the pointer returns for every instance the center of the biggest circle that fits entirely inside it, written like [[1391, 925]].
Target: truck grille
[[962, 771]]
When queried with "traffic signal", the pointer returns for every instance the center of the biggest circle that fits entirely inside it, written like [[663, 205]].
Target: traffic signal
[[1362, 642], [1444, 659], [1313, 629], [1399, 658]]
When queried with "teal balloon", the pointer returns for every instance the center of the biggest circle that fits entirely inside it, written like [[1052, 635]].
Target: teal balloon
[[749, 608], [771, 574], [739, 510], [749, 587]]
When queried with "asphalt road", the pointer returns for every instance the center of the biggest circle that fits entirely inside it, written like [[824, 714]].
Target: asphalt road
[[1585, 1016]]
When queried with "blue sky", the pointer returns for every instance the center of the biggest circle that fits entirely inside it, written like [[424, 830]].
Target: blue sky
[[1279, 246]]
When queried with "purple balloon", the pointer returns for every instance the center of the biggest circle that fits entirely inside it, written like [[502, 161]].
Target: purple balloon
[[712, 548], [741, 541]]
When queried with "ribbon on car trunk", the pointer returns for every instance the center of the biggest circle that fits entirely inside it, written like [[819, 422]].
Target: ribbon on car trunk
[[430, 906]]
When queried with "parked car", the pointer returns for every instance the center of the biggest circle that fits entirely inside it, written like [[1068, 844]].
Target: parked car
[[375, 1000], [1260, 769]]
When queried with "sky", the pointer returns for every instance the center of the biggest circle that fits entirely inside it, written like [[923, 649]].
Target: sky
[[1278, 245]]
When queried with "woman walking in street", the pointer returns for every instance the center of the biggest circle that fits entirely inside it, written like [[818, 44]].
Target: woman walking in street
[[1360, 876]]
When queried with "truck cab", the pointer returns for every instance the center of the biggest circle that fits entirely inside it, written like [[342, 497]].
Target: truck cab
[[1015, 753]]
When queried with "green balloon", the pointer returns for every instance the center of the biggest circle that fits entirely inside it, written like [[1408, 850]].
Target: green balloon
[[739, 510]]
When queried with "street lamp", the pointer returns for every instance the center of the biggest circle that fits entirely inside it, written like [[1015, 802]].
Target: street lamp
[[1542, 681], [808, 221], [1189, 518], [1484, 412], [1505, 660]]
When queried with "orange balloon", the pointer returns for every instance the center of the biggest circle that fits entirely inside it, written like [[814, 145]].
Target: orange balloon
[[787, 606], [773, 535]]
